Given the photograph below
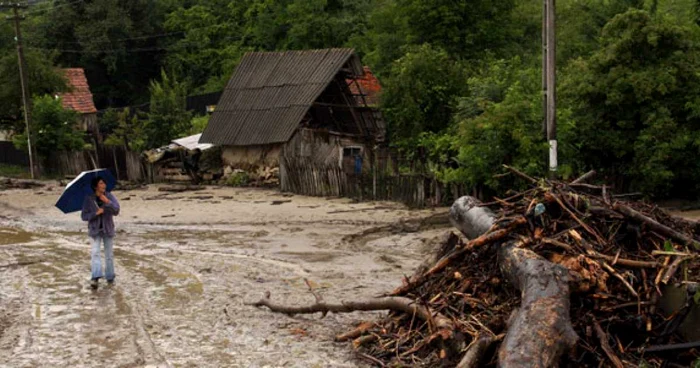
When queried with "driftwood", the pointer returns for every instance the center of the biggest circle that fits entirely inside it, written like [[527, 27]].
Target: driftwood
[[521, 174], [583, 178], [398, 304], [470, 218], [603, 337], [544, 311], [475, 352], [552, 246], [654, 225]]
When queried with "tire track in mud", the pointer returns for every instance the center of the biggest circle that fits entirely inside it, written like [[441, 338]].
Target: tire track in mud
[[74, 270], [162, 286]]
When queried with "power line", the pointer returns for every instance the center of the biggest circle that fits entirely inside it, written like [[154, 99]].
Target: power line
[[127, 50], [157, 35], [54, 7], [111, 51]]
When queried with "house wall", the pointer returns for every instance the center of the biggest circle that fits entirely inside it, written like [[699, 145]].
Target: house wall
[[306, 145], [251, 157], [325, 149]]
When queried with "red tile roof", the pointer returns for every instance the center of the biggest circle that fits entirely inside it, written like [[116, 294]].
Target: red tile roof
[[369, 85], [79, 98]]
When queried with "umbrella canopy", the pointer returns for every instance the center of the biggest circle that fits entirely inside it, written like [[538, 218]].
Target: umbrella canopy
[[71, 199]]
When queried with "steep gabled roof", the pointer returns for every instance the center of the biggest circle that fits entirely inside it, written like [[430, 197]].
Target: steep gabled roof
[[79, 98], [369, 87], [270, 92]]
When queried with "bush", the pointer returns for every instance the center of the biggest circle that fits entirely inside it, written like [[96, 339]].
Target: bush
[[238, 179]]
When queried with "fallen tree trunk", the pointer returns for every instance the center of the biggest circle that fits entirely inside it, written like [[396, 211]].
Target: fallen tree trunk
[[471, 219], [539, 331], [544, 310]]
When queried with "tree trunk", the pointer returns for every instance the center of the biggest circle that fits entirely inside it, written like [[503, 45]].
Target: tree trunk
[[544, 310], [471, 219]]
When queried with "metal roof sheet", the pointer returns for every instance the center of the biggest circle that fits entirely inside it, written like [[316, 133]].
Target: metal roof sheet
[[270, 92]]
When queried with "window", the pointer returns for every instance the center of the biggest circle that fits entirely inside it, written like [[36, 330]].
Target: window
[[351, 151]]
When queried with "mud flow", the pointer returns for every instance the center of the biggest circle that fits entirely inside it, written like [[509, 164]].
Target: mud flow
[[185, 265]]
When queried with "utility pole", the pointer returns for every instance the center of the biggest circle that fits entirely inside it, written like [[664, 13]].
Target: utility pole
[[544, 69], [549, 79], [26, 101]]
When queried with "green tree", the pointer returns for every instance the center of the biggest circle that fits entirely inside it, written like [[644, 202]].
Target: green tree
[[117, 42], [125, 128], [54, 128], [209, 47], [501, 123], [636, 105], [43, 79], [420, 95], [199, 123], [167, 118]]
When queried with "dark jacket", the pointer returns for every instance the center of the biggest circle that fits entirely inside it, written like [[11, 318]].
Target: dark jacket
[[102, 225]]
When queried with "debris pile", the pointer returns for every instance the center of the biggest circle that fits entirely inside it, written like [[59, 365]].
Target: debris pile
[[618, 260], [9, 183], [562, 274]]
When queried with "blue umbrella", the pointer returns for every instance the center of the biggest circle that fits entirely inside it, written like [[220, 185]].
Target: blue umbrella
[[75, 192]]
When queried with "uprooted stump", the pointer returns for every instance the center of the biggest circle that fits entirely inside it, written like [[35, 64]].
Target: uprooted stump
[[547, 277]]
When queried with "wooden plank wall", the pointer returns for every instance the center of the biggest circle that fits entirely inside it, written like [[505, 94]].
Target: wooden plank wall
[[306, 178]]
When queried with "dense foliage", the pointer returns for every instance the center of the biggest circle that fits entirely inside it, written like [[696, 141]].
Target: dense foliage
[[461, 79], [54, 128]]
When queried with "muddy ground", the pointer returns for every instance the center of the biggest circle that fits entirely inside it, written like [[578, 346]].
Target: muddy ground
[[186, 263]]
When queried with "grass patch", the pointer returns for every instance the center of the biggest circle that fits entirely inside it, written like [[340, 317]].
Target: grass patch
[[12, 171]]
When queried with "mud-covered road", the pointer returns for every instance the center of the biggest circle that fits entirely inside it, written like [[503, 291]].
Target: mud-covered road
[[186, 263]]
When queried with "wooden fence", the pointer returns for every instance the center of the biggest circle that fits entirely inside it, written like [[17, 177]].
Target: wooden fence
[[9, 155], [313, 180], [125, 165]]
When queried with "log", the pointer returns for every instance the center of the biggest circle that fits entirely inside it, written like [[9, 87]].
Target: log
[[397, 304], [473, 220], [521, 174], [655, 226], [585, 177], [544, 311]]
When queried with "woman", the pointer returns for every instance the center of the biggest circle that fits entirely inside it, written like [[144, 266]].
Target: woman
[[98, 210]]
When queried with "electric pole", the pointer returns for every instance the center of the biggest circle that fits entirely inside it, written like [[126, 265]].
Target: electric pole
[[26, 101], [549, 81]]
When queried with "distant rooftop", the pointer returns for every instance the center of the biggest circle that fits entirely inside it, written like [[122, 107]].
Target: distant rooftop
[[79, 98]]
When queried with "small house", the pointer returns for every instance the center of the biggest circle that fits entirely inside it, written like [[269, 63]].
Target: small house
[[79, 99], [282, 109]]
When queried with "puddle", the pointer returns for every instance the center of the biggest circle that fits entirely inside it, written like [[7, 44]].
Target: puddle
[[10, 235], [312, 256]]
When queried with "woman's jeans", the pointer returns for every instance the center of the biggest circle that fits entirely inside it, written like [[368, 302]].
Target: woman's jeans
[[109, 257]]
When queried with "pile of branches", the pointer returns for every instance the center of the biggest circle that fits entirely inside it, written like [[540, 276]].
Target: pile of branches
[[562, 274]]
